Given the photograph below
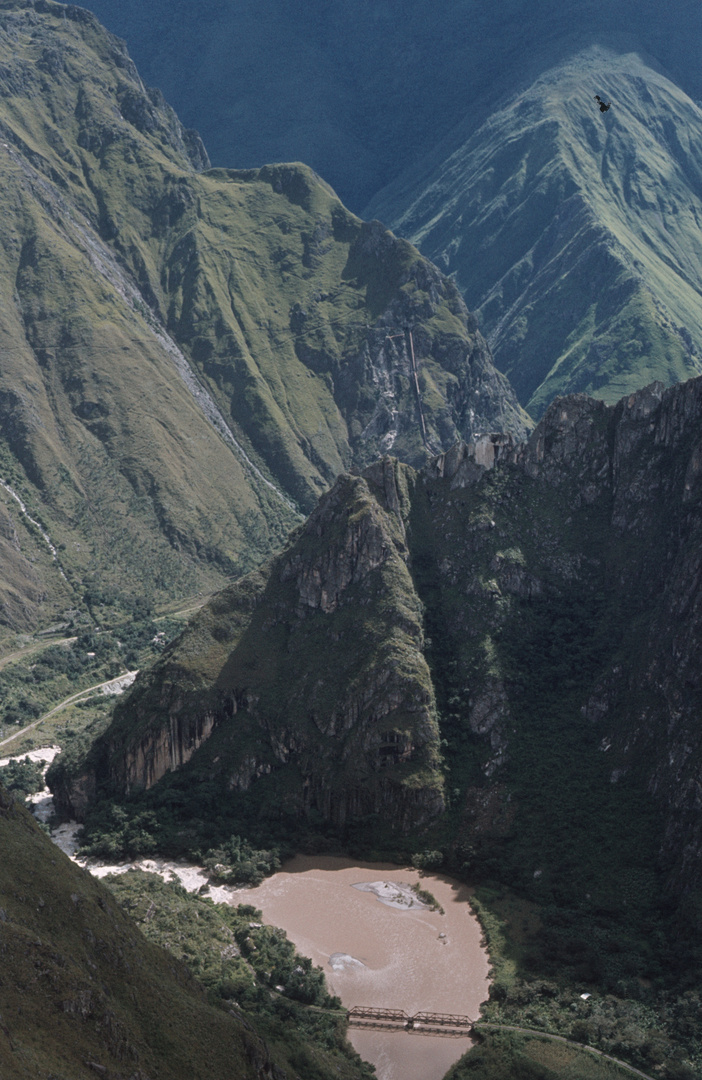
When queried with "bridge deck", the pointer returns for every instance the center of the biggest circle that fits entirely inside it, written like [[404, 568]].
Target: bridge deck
[[422, 1023]]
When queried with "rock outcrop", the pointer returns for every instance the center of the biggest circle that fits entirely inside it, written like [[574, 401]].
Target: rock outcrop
[[308, 677], [576, 561]]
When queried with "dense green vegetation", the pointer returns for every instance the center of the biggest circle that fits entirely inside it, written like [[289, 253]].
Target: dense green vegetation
[[43, 675], [572, 895], [238, 863], [502, 1054], [24, 777], [196, 818], [600, 980], [249, 965]]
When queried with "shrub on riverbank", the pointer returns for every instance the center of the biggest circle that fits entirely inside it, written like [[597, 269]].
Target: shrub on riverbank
[[236, 862], [427, 898], [24, 777]]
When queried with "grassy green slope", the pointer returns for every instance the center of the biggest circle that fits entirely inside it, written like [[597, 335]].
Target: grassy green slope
[[575, 235], [502, 1054], [156, 470], [100, 435]]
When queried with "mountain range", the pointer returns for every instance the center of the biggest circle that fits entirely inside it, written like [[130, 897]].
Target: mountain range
[[515, 624], [358, 90], [490, 666], [573, 234], [436, 634], [474, 133], [190, 355]]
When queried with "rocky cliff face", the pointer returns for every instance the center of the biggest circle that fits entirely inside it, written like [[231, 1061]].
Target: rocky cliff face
[[547, 594], [308, 677], [574, 591]]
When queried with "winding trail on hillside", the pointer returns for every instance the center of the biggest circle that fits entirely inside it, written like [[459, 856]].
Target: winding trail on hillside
[[480, 1026], [119, 679], [192, 604], [38, 646]]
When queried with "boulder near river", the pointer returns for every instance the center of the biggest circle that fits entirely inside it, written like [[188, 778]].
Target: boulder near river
[[380, 945]]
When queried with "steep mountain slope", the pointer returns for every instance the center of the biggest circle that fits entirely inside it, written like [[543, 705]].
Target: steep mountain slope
[[560, 591], [316, 662], [83, 992], [189, 357], [575, 235], [360, 92]]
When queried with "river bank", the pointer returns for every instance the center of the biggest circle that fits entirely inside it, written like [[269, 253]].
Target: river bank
[[379, 945], [375, 936]]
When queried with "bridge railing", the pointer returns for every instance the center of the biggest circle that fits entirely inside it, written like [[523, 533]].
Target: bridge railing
[[398, 1018], [446, 1019], [367, 1012]]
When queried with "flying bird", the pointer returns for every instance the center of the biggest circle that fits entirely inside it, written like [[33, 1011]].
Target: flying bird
[[604, 105]]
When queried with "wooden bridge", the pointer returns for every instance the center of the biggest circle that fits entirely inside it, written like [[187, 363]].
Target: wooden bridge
[[422, 1023]]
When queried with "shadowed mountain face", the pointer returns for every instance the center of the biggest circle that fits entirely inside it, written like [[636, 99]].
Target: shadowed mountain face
[[315, 664], [575, 235], [189, 357], [514, 627], [361, 89]]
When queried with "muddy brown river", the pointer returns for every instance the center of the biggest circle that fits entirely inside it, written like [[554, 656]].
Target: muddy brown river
[[379, 947]]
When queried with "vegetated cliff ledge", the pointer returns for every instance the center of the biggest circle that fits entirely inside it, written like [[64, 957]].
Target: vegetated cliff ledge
[[550, 603]]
